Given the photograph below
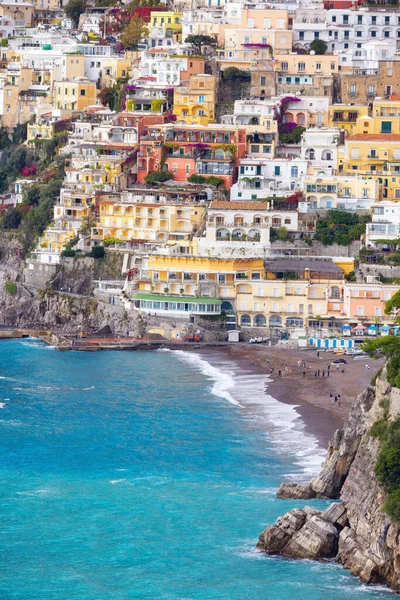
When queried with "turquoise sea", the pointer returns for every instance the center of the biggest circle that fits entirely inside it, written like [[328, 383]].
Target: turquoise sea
[[149, 476]]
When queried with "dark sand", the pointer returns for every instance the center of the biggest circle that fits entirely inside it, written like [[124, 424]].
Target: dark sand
[[311, 394]]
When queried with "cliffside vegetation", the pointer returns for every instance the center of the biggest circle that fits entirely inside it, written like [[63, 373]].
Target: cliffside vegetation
[[387, 468], [340, 227]]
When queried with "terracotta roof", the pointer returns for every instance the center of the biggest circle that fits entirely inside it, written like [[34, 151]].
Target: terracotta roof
[[239, 205], [374, 137], [394, 97]]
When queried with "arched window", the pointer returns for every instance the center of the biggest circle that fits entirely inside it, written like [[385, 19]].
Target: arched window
[[294, 171], [275, 321], [245, 320], [260, 321], [219, 153]]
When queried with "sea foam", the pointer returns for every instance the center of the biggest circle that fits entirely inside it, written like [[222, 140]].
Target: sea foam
[[284, 426]]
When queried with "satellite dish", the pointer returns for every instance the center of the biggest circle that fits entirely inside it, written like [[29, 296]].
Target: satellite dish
[[312, 52]]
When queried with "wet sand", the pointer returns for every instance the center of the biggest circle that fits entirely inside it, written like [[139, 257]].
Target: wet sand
[[311, 394]]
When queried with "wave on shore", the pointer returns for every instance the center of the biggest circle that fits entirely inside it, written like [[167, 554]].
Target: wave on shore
[[284, 427]]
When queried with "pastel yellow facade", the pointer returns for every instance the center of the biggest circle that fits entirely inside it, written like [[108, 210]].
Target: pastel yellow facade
[[170, 21], [74, 94], [344, 116], [195, 104], [161, 223], [199, 276], [114, 68], [40, 130]]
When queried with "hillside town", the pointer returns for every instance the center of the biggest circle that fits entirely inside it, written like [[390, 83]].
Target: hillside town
[[242, 158]]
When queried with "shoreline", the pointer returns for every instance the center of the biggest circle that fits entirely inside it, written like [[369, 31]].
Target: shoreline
[[310, 395]]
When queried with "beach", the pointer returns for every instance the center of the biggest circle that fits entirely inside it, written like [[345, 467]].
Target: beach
[[310, 394]]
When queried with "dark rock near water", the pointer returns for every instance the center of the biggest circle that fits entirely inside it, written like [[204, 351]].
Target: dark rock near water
[[355, 531]]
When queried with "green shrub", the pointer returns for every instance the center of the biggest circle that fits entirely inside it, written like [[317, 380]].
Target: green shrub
[[158, 177], [392, 504], [68, 252], [378, 429], [97, 252], [10, 287]]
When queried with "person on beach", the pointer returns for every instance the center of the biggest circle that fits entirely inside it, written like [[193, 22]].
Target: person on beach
[[329, 367], [272, 370], [339, 401], [328, 373], [280, 373], [304, 364], [286, 367], [367, 367], [337, 367], [299, 363], [336, 399], [323, 373], [304, 373], [315, 374], [318, 372], [318, 354]]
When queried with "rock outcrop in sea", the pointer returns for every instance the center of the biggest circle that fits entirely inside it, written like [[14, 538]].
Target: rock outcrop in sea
[[354, 530]]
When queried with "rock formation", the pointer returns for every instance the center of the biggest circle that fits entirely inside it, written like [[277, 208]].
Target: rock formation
[[355, 531]]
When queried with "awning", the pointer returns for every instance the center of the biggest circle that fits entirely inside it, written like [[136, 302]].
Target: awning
[[185, 299]]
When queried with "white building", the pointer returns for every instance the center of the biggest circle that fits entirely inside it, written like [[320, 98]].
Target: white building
[[319, 148], [260, 178], [385, 223]]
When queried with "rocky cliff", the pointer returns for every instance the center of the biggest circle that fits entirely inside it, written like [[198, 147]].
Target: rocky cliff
[[355, 531]]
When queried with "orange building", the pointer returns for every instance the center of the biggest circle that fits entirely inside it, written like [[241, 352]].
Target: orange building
[[187, 150]]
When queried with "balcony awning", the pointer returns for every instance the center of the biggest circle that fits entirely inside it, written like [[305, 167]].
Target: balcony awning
[[185, 299]]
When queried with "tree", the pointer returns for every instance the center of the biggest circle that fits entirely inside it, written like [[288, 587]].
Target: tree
[[200, 40], [134, 31], [319, 46], [74, 8], [158, 177], [235, 74], [12, 218]]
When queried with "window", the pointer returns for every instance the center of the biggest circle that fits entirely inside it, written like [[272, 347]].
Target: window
[[387, 20], [373, 154], [353, 89], [373, 20], [386, 34], [301, 35], [316, 35], [386, 127], [360, 311], [333, 66], [250, 22], [267, 23], [301, 67], [389, 72], [281, 24], [359, 33], [318, 67], [294, 171], [355, 153], [187, 169], [83, 92], [397, 193], [264, 40], [346, 35], [359, 19], [365, 193], [201, 98], [285, 66], [371, 90], [345, 19], [277, 170], [263, 80], [201, 84], [373, 33]]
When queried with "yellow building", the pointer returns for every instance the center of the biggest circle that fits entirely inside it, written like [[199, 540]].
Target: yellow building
[[342, 192], [293, 293], [41, 129], [159, 223], [74, 94], [375, 155], [114, 68], [344, 116], [168, 22], [194, 104], [199, 276]]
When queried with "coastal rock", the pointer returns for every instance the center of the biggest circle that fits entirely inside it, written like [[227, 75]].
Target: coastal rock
[[317, 539], [276, 536], [301, 534], [336, 513], [296, 490], [355, 531]]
